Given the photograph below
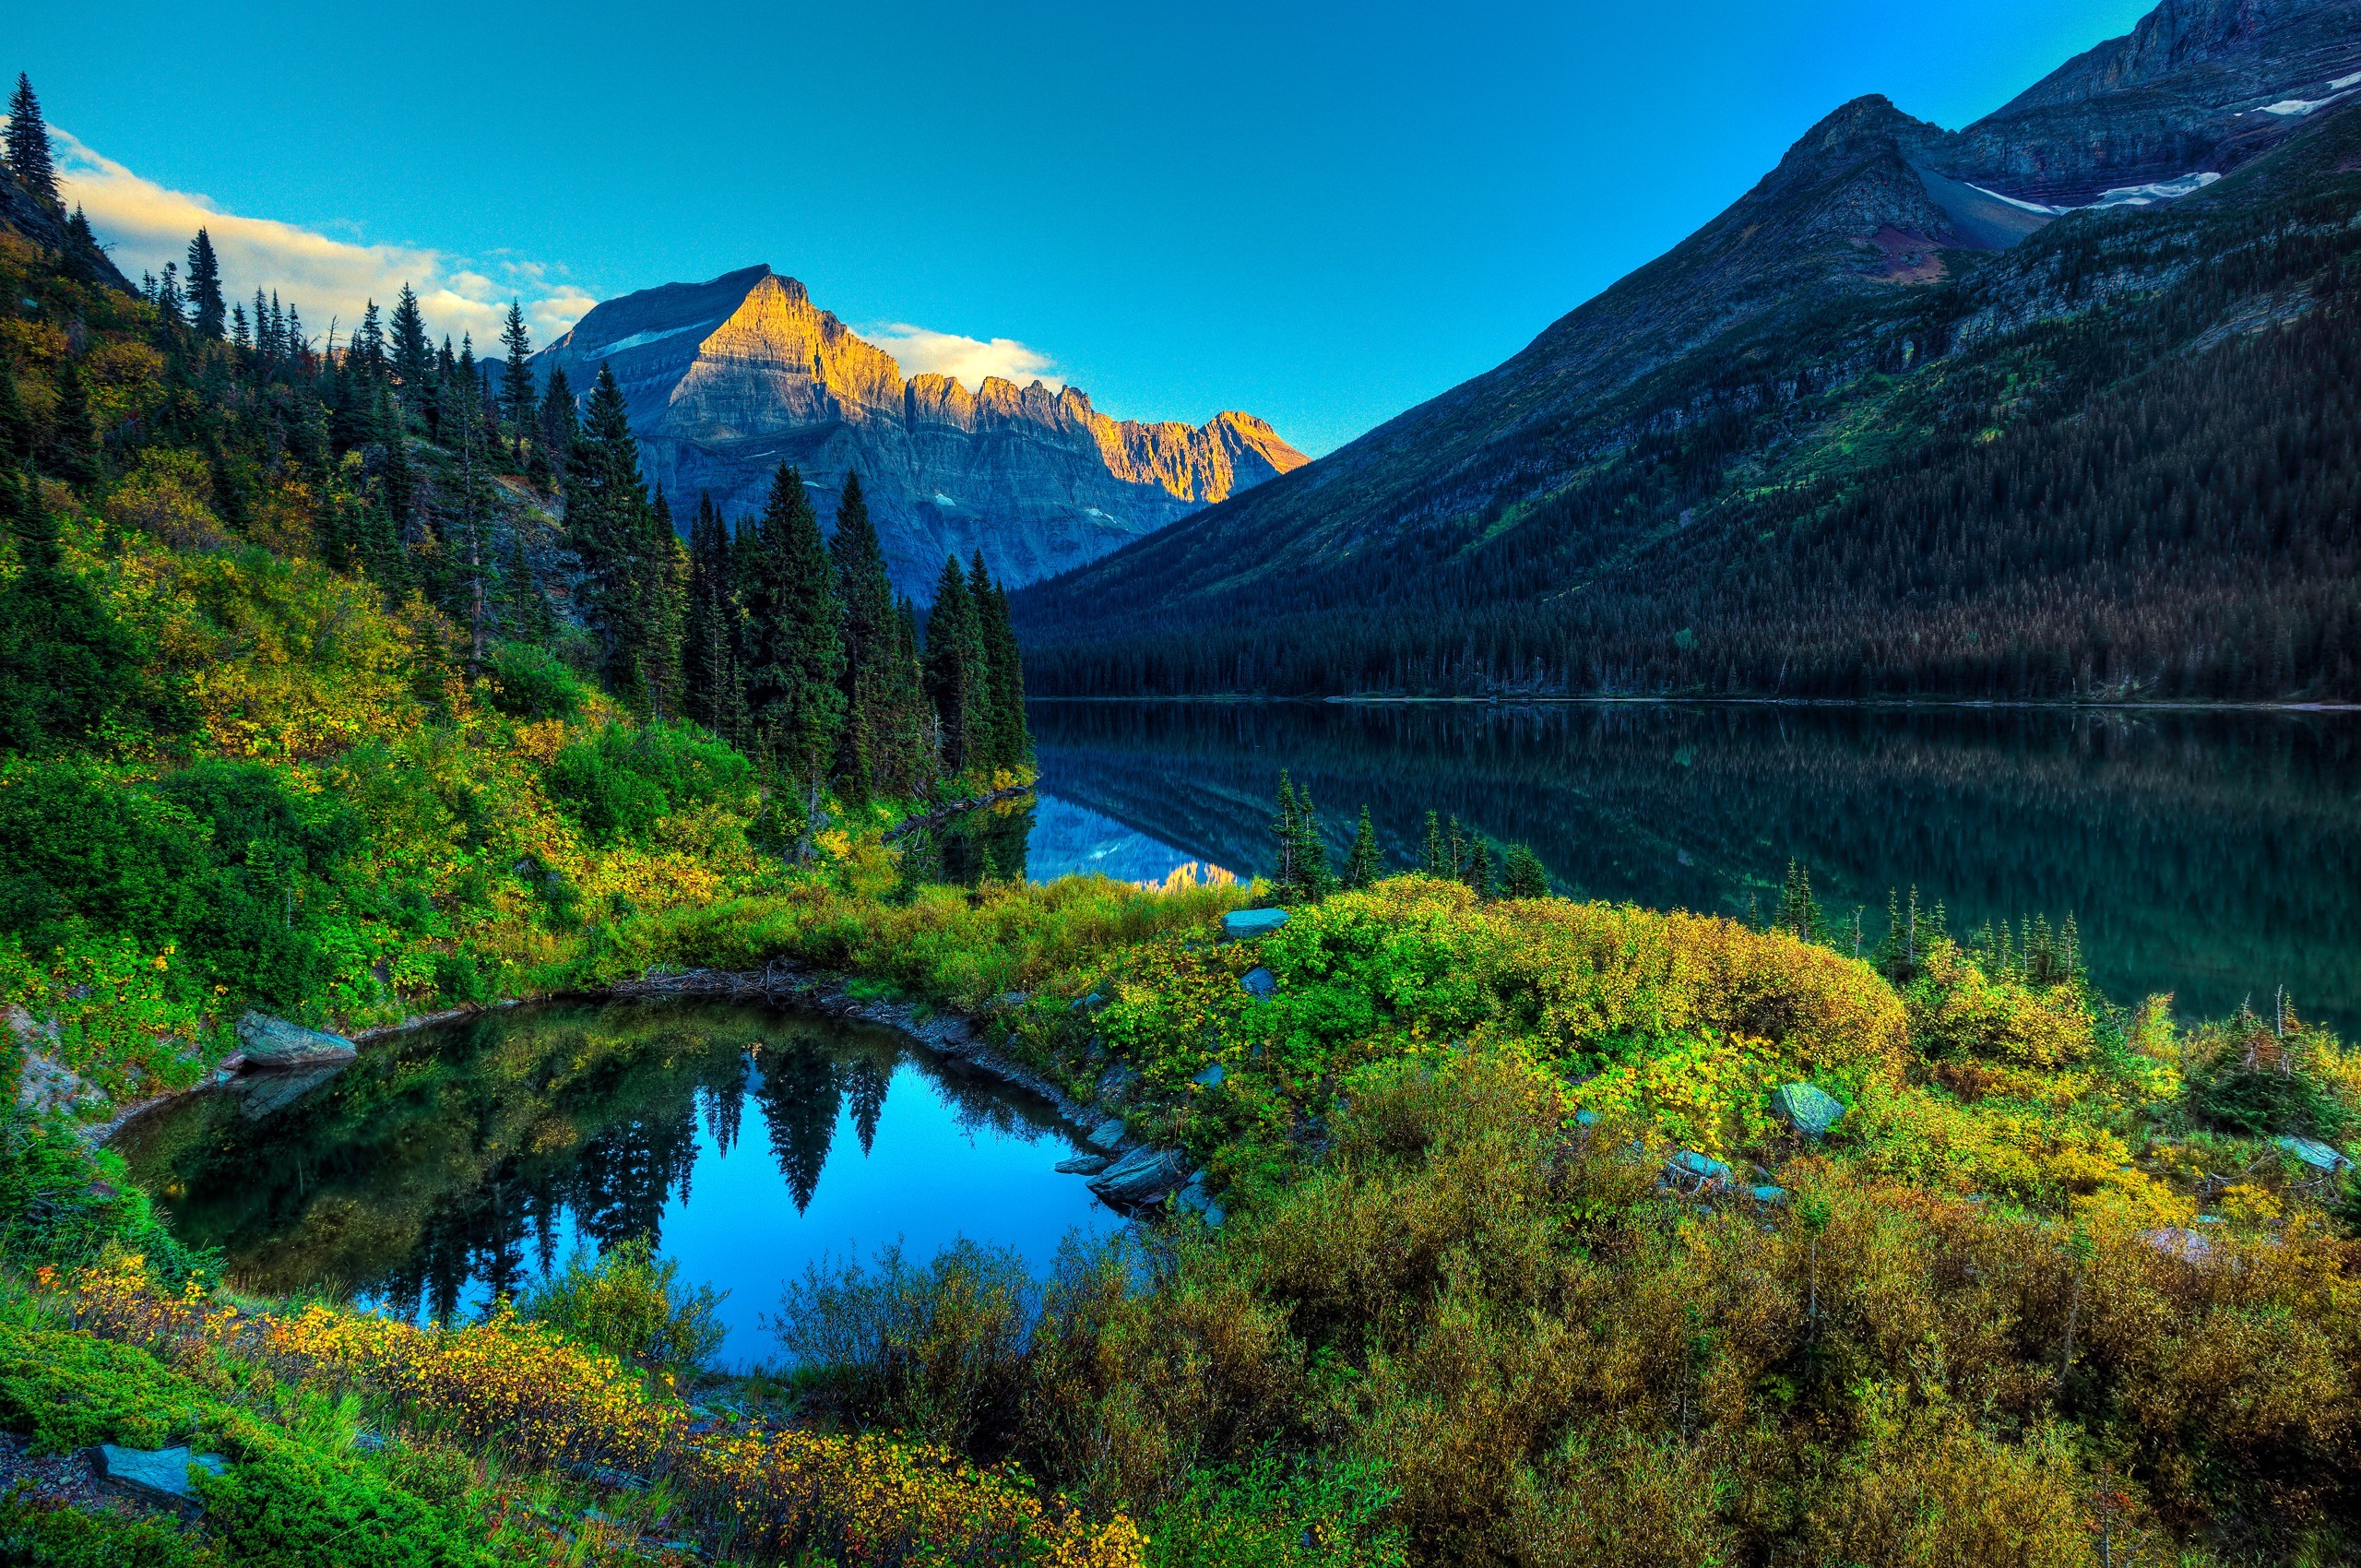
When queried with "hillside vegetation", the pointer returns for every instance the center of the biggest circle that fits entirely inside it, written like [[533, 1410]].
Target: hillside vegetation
[[1502, 1248]]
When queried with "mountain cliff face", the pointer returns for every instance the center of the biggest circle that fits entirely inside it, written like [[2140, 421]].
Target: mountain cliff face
[[727, 379], [1888, 287]]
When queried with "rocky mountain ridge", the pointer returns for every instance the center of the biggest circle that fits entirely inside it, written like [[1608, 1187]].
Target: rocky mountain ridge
[[1879, 248], [725, 380]]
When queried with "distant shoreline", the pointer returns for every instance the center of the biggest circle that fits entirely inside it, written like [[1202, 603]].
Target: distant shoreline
[[1895, 703]]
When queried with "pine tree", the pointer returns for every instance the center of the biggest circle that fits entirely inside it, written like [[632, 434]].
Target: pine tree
[[559, 426], [1314, 880], [74, 444], [1523, 875], [1365, 864], [29, 150], [1799, 912], [16, 424], [1012, 740], [1434, 859], [412, 360], [708, 656], [1286, 838], [611, 523], [524, 610], [65, 666], [660, 608], [957, 680], [915, 746], [794, 695], [1478, 871], [207, 312], [516, 376], [870, 764]]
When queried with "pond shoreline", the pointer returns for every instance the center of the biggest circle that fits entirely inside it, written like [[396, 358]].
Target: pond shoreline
[[948, 1033]]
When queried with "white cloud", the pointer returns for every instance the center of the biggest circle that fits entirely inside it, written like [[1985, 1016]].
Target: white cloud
[[966, 359], [145, 225]]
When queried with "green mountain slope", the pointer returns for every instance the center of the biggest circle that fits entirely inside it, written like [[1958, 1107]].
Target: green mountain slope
[[1841, 442]]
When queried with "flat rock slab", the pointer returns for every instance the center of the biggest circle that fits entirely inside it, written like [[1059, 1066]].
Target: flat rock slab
[[1239, 924], [1812, 1111], [1140, 1177], [2314, 1153], [275, 1042], [1082, 1165], [1107, 1135], [158, 1474]]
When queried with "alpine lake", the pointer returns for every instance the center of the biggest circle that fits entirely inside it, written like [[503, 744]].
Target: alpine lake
[[2213, 855]]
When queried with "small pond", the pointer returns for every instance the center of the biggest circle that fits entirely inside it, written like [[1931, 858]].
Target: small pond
[[449, 1166]]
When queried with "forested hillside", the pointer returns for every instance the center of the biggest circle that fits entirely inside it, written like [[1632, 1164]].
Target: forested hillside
[[336, 679], [2121, 458]]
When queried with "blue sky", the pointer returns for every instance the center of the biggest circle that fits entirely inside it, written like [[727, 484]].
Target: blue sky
[[1321, 213]]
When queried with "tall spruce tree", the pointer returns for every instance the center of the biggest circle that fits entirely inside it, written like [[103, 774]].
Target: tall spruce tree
[[207, 312], [956, 680], [659, 609], [1365, 864], [74, 442], [29, 158], [559, 424], [709, 654], [67, 667], [794, 693], [867, 596], [1012, 741], [1523, 875], [612, 526], [915, 727], [411, 358], [517, 377]]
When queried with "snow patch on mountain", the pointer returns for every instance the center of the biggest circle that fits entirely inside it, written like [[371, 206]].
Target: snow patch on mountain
[[641, 339], [2121, 196]]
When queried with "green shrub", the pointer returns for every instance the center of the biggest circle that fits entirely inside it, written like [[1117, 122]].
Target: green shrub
[[530, 682], [630, 1303], [1271, 1513], [61, 1205], [938, 1351], [34, 1534], [620, 783]]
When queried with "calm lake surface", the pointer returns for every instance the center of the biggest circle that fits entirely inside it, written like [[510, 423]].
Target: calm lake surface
[[2213, 855], [748, 1142]]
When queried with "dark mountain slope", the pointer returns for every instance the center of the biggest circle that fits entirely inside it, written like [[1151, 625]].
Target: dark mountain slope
[[1846, 325]]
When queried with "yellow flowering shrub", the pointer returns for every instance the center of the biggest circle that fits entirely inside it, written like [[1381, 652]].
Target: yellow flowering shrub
[[1957, 1010], [545, 1401]]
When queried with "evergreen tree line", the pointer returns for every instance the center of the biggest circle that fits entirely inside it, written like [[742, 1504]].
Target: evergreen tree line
[[1303, 874], [798, 652]]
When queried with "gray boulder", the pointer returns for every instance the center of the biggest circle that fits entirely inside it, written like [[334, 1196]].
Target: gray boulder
[[275, 1042], [1082, 1165], [1140, 1177], [1211, 1077], [158, 1474], [1107, 1135], [2314, 1153], [1240, 924], [1258, 983], [1195, 1197], [1809, 1110]]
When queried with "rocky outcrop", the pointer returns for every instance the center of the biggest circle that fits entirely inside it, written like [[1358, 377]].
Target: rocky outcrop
[[727, 379], [269, 1042]]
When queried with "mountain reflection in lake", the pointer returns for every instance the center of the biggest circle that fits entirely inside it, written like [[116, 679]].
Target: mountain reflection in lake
[[451, 1166], [2216, 855]]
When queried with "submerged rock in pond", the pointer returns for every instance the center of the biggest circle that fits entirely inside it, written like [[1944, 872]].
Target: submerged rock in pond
[[275, 1042], [2314, 1153], [1082, 1165], [1211, 1077], [1240, 924], [1140, 1177], [260, 1096], [1258, 983], [1809, 1110], [158, 1474]]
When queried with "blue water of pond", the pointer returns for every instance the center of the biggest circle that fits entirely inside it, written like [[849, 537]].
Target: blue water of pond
[[749, 1144]]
